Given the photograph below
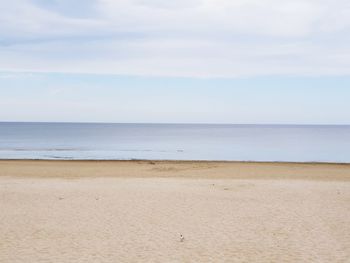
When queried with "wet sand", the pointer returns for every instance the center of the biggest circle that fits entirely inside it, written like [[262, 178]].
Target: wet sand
[[135, 211]]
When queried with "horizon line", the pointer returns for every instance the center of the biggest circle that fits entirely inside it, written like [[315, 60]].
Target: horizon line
[[176, 123]]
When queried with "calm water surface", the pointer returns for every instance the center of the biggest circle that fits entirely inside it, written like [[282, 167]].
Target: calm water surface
[[175, 142]]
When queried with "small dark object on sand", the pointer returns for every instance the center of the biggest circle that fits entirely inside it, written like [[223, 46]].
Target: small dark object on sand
[[182, 238]]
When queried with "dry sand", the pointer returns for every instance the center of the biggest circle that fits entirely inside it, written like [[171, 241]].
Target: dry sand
[[70, 211]]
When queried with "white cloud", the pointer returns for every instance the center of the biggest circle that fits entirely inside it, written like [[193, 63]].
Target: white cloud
[[269, 17], [202, 38]]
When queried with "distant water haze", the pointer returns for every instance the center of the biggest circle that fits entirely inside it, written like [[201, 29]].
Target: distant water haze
[[91, 141]]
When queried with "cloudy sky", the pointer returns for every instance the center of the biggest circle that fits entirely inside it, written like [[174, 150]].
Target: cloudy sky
[[226, 61]]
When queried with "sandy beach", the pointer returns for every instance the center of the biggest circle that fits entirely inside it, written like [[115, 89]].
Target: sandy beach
[[135, 211]]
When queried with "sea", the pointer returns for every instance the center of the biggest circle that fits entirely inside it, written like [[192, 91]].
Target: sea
[[221, 142]]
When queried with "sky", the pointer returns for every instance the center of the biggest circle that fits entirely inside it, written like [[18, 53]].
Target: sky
[[184, 61]]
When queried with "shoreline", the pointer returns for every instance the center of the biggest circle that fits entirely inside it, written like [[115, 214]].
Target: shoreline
[[176, 169], [175, 161]]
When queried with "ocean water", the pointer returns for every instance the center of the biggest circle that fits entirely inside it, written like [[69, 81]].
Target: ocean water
[[290, 143]]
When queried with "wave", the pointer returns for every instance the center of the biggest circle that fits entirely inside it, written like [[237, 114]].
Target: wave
[[84, 150], [42, 149]]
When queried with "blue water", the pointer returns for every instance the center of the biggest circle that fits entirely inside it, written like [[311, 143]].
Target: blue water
[[289, 143]]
